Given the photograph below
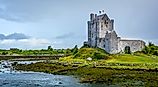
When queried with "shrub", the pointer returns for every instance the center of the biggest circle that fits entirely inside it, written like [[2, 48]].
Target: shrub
[[98, 55], [95, 53]]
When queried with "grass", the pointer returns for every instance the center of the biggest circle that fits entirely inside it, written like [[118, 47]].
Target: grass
[[94, 53], [134, 58], [131, 61], [70, 59], [97, 74], [121, 61], [121, 77], [135, 69]]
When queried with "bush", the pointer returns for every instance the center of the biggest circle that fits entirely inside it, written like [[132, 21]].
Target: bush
[[98, 55], [155, 52], [4, 53], [151, 49], [75, 50], [95, 53]]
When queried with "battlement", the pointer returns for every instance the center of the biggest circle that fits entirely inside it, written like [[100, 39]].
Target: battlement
[[98, 16]]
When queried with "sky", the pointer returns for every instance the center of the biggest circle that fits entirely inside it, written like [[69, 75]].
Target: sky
[[35, 24]]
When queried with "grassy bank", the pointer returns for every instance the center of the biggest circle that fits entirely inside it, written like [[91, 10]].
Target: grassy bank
[[102, 59], [111, 76], [135, 69]]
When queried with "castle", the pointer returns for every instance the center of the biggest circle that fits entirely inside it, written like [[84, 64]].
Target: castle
[[101, 34]]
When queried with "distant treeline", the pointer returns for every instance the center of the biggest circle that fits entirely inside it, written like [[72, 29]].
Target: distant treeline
[[150, 49], [48, 51]]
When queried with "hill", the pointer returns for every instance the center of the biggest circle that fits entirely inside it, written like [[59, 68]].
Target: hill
[[103, 59]]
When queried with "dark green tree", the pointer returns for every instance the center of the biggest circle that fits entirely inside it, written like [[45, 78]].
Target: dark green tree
[[68, 51], [146, 50], [155, 52], [4, 53], [50, 48], [75, 50], [151, 44]]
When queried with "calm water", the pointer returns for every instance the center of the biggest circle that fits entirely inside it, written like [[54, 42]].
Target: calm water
[[37, 79], [34, 79]]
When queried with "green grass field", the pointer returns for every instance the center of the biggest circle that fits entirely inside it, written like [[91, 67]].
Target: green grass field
[[135, 58], [103, 59]]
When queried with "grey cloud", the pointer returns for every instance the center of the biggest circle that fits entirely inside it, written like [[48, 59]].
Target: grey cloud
[[2, 37], [15, 36], [65, 36], [25, 10], [7, 15]]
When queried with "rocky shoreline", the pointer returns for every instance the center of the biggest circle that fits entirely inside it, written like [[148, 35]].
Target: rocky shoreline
[[89, 74]]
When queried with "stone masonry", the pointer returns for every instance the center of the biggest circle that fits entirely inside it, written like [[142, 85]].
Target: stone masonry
[[101, 34]]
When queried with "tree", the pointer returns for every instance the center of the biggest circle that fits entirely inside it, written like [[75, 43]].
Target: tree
[[49, 48], [146, 50], [75, 50], [151, 44], [68, 51], [4, 53], [155, 52]]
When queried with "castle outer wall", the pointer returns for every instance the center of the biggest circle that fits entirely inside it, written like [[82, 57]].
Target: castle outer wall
[[135, 45]]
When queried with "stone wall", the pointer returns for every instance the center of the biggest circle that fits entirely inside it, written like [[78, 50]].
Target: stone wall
[[111, 42], [101, 34], [135, 45], [105, 24], [97, 28]]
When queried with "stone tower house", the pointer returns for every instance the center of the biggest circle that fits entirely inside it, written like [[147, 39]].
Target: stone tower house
[[101, 34]]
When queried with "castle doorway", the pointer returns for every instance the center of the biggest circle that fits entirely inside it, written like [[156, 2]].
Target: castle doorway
[[127, 50]]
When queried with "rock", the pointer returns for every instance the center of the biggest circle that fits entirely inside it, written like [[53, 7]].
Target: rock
[[89, 59]]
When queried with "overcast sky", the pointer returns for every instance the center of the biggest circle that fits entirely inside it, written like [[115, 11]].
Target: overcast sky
[[63, 23]]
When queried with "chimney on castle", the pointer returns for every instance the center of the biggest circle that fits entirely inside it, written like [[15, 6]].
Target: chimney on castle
[[92, 16], [95, 15], [103, 11], [112, 22]]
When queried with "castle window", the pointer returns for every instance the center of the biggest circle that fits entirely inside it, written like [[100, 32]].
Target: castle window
[[107, 26], [99, 40], [105, 22], [93, 25], [101, 26], [104, 45], [93, 22]]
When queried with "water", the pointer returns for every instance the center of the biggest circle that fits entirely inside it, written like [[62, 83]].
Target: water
[[37, 79], [26, 62], [31, 79]]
